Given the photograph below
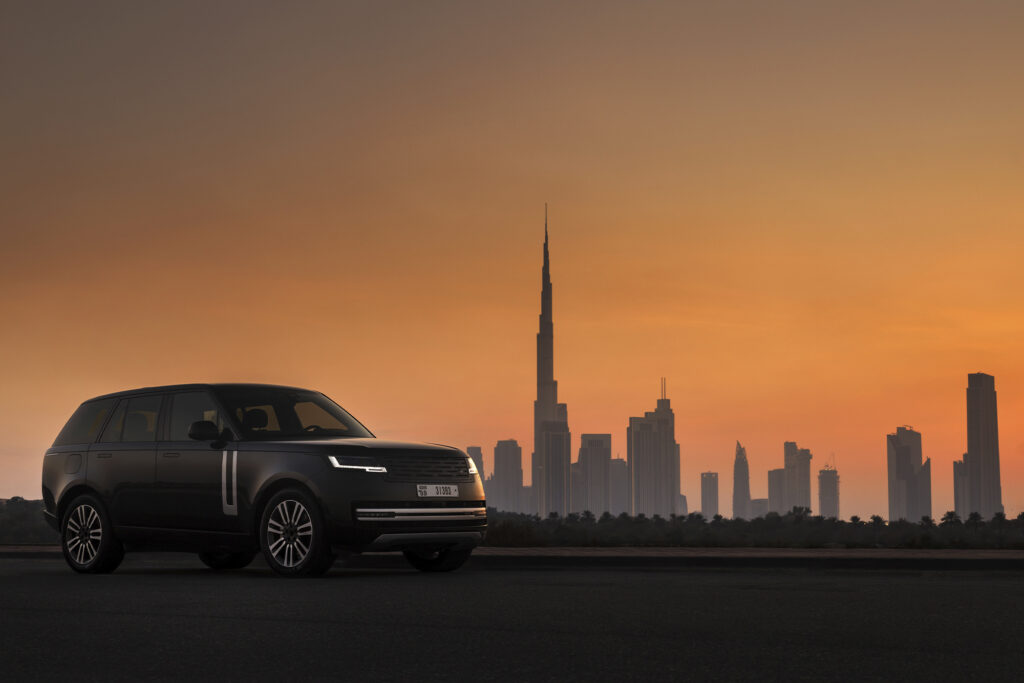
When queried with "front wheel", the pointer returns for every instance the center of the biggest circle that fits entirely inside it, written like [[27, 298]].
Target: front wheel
[[87, 537], [444, 560], [223, 561], [293, 535]]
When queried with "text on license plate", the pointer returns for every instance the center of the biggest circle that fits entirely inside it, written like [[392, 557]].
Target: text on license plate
[[437, 490]]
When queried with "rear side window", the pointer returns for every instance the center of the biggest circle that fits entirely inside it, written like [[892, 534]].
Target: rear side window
[[190, 407], [135, 420], [85, 423]]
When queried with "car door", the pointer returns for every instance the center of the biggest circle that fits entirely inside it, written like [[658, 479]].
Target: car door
[[122, 463], [197, 484]]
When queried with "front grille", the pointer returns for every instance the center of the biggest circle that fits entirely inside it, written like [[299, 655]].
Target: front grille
[[426, 468]]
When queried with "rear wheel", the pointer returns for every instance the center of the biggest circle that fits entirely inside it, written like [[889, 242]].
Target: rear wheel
[[223, 561], [87, 537], [444, 560], [293, 535]]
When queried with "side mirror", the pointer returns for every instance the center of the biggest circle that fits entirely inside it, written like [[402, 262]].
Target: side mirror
[[203, 430]]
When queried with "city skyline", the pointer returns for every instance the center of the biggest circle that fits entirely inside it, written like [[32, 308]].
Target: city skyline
[[806, 216]]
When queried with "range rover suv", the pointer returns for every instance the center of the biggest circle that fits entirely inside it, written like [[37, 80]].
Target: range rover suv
[[230, 470]]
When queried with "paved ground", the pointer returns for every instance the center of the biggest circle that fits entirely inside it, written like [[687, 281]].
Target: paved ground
[[165, 616]]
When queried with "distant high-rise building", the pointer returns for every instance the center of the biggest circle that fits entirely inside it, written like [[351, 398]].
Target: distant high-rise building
[[505, 490], [798, 476], [740, 484], [653, 457], [984, 487], [758, 507], [618, 486], [910, 478], [477, 454], [682, 509], [960, 488], [828, 493], [777, 491], [594, 460], [551, 437], [709, 494]]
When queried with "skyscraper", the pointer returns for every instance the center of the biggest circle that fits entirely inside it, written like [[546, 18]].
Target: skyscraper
[[653, 457], [551, 437], [960, 488], [777, 491], [758, 507], [594, 461], [910, 479], [798, 477], [709, 494], [741, 484], [828, 493], [618, 486], [984, 488], [506, 483]]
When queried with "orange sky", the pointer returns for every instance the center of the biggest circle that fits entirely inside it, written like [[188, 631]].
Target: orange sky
[[807, 216]]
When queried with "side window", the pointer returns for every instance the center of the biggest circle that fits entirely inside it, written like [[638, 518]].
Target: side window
[[112, 433], [85, 423], [258, 419], [140, 418], [190, 407]]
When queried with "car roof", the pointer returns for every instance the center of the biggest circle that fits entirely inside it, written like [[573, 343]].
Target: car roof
[[198, 386]]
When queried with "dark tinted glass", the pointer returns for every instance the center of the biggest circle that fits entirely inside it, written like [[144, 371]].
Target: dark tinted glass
[[140, 418], [267, 414], [190, 407], [85, 423], [113, 431]]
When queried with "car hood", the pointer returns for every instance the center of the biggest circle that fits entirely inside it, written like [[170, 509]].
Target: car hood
[[358, 446]]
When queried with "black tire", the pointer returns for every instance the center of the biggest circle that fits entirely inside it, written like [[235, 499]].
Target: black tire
[[444, 560], [87, 537], [290, 524], [223, 561]]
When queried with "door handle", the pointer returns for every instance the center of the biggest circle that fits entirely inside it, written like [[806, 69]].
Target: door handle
[[172, 455], [103, 455]]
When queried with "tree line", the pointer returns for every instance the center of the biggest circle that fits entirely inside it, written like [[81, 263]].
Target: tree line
[[22, 523], [796, 529]]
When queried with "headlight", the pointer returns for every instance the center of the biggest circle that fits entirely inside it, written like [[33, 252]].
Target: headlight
[[472, 465], [356, 462]]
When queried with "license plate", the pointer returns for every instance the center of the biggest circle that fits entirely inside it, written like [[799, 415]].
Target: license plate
[[437, 490]]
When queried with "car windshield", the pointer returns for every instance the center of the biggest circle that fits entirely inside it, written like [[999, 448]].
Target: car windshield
[[267, 414]]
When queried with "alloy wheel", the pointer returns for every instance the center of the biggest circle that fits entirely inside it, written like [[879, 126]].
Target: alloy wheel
[[83, 534], [289, 533]]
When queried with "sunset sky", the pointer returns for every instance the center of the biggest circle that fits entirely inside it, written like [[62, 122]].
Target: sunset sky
[[809, 217]]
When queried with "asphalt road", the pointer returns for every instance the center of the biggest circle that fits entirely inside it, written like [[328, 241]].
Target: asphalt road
[[166, 616]]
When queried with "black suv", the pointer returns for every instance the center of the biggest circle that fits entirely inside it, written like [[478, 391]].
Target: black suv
[[227, 470]]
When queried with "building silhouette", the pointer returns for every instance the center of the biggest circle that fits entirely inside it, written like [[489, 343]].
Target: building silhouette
[[828, 493], [477, 454], [960, 488], [758, 507], [741, 484], [594, 461], [798, 477], [653, 457], [910, 478], [777, 491], [709, 494], [618, 486], [551, 437], [682, 509], [983, 486], [505, 487]]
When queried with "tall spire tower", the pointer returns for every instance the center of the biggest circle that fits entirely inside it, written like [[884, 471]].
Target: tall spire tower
[[551, 438]]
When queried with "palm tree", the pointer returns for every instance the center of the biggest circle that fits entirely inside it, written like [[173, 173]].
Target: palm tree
[[950, 518]]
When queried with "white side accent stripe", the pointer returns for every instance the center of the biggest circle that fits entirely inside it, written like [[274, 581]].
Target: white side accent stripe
[[230, 509]]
